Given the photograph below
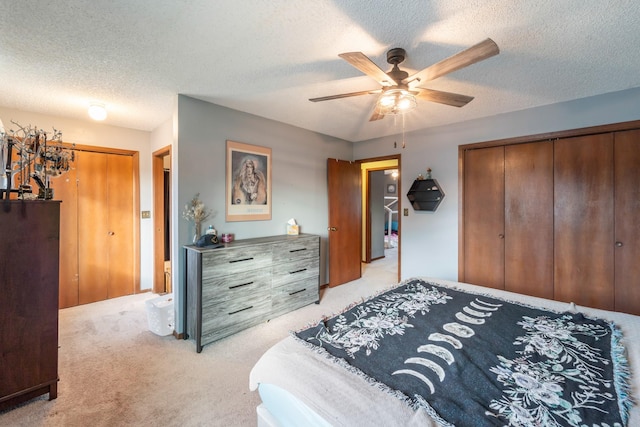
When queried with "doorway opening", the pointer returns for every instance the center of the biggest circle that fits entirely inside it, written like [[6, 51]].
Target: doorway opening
[[162, 221], [381, 220]]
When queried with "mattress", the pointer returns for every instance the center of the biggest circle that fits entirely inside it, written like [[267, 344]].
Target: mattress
[[301, 387]]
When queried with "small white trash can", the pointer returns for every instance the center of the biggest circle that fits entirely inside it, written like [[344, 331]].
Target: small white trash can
[[160, 313]]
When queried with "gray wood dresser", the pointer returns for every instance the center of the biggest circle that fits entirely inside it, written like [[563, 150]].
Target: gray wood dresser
[[247, 282]]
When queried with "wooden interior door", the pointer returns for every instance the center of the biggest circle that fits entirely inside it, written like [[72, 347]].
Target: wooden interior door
[[93, 220], [483, 217], [97, 239], [120, 217], [65, 189], [627, 231], [528, 250], [583, 216], [345, 216]]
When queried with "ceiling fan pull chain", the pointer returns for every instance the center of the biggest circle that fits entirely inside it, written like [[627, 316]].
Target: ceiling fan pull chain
[[403, 145]]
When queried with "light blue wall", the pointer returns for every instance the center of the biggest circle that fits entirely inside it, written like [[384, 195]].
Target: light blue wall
[[299, 176], [429, 241]]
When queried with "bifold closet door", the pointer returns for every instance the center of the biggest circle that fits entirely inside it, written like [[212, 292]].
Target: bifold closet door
[[105, 216], [484, 217], [65, 189], [584, 220], [92, 227], [528, 180], [627, 230], [120, 225]]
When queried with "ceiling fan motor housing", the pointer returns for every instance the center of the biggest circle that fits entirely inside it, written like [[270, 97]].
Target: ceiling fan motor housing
[[396, 55]]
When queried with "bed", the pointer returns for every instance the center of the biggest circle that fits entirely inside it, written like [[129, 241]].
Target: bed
[[518, 354]]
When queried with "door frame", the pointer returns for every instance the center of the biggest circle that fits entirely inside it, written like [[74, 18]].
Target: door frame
[[158, 218], [366, 205]]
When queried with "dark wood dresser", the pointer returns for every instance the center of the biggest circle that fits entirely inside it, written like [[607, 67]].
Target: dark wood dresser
[[29, 259]]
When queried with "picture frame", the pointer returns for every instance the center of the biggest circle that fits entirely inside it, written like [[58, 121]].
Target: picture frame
[[391, 188], [248, 182]]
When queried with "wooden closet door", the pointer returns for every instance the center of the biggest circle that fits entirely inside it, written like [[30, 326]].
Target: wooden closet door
[[528, 264], [119, 249], [627, 230], [93, 237], [583, 229], [65, 189], [484, 217]]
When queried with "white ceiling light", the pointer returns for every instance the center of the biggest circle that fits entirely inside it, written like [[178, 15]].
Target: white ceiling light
[[97, 111]]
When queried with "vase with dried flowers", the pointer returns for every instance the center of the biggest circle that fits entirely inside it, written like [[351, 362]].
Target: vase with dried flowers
[[197, 212]]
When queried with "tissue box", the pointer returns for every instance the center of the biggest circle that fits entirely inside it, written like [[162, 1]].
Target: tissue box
[[292, 230]]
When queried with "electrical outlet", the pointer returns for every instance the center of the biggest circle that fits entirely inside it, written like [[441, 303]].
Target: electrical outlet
[[406, 212], [146, 214]]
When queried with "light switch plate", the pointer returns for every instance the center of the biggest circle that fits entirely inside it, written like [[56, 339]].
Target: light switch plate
[[406, 212], [146, 214]]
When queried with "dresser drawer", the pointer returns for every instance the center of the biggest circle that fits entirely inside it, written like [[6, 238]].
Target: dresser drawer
[[282, 274], [238, 287], [223, 319], [232, 261], [294, 295], [296, 250]]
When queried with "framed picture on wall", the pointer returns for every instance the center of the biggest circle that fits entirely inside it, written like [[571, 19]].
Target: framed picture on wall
[[248, 186], [391, 188]]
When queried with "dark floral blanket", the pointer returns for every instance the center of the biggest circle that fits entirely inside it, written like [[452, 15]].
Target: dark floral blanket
[[475, 360]]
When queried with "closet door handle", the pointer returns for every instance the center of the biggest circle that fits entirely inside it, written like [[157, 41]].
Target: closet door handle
[[112, 233], [618, 244], [332, 229], [501, 236]]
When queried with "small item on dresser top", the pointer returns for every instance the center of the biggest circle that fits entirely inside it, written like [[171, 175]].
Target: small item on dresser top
[[211, 230], [209, 241], [226, 238], [292, 227]]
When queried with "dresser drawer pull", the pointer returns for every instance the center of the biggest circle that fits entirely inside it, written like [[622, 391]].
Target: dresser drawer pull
[[298, 250], [240, 260], [297, 292], [298, 271], [240, 285], [242, 309]]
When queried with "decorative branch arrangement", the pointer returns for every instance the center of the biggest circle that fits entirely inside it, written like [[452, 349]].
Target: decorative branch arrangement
[[197, 212], [29, 153]]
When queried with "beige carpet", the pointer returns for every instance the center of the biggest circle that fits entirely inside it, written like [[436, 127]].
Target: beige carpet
[[115, 372]]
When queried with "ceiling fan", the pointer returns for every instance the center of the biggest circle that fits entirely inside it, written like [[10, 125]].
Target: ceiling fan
[[398, 93]]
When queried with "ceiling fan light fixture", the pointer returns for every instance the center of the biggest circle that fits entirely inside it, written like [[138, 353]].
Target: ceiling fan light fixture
[[396, 101]]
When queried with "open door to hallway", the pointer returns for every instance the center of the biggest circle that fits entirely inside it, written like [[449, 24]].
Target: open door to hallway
[[349, 230], [345, 213]]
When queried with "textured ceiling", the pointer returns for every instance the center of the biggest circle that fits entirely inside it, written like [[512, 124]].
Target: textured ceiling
[[268, 57]]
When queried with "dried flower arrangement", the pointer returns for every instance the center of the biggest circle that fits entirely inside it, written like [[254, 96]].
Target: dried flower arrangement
[[197, 212]]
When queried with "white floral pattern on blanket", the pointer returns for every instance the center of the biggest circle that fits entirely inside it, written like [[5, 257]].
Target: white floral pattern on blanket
[[369, 323], [533, 389]]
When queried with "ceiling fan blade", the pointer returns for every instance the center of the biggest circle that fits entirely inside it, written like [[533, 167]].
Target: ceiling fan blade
[[344, 95], [376, 115], [475, 53], [367, 66], [448, 98]]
